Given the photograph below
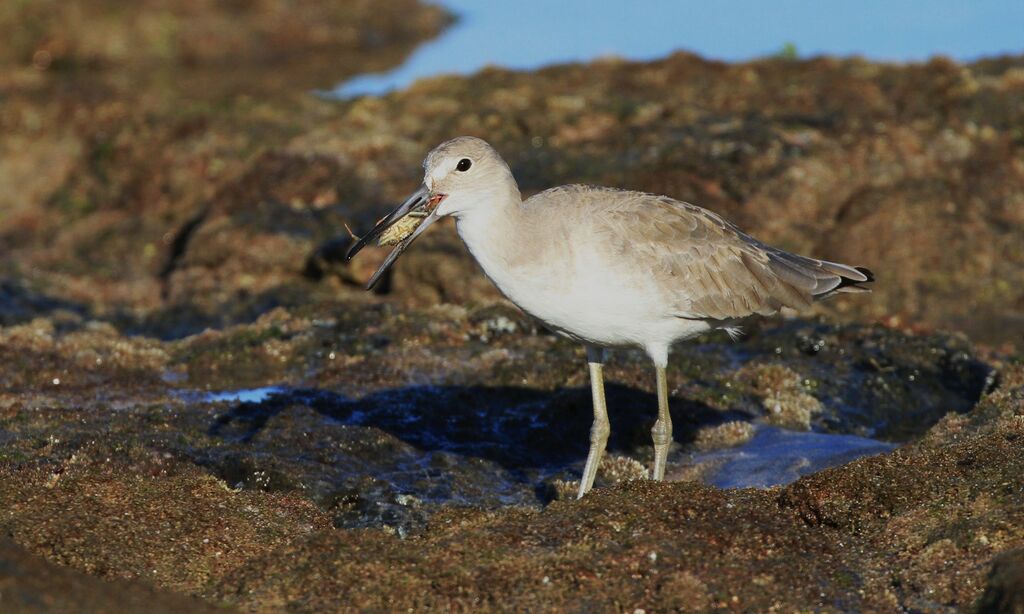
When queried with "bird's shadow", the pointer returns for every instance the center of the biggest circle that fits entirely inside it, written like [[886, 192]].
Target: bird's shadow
[[521, 429]]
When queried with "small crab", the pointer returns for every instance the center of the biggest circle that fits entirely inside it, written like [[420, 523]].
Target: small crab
[[401, 229]]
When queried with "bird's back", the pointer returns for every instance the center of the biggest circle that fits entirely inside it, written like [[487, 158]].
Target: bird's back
[[703, 267]]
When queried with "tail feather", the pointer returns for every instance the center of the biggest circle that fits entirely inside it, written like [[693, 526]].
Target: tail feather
[[854, 286], [819, 278]]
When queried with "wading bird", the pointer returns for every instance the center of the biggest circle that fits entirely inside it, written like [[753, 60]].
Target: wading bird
[[609, 268]]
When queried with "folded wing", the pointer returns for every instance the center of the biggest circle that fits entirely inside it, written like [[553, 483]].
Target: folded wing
[[717, 271]]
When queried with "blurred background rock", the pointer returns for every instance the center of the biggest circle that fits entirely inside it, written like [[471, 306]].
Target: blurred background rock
[[171, 158]]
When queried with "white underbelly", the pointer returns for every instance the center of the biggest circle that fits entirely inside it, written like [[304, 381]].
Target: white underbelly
[[578, 292], [600, 310]]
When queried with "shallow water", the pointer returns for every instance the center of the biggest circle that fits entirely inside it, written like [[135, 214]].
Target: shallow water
[[775, 457], [392, 456], [245, 395], [533, 33], [390, 453]]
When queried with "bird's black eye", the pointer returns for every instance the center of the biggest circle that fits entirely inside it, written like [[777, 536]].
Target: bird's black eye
[[463, 165]]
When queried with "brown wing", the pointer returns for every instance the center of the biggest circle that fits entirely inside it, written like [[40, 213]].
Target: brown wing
[[718, 271]]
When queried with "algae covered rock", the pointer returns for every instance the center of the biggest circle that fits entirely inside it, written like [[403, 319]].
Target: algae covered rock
[[200, 405]]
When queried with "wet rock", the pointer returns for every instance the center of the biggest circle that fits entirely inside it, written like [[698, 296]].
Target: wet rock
[[783, 396], [611, 547], [438, 491], [353, 460], [724, 435], [30, 583], [374, 404], [861, 380], [1005, 591], [19, 304], [613, 469], [123, 511], [925, 472]]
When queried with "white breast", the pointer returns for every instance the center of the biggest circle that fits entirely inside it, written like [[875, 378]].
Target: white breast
[[575, 293]]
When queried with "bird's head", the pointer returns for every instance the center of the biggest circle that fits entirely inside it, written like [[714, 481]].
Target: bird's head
[[461, 176]]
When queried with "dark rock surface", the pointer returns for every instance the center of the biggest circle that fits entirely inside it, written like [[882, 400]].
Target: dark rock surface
[[31, 584], [414, 468], [1005, 592]]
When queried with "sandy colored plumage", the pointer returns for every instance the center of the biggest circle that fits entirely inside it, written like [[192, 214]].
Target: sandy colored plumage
[[708, 268]]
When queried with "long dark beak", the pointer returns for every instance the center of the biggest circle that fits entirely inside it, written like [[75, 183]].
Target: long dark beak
[[418, 199]]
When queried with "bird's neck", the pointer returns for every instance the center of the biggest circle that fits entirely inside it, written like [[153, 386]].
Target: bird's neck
[[490, 230]]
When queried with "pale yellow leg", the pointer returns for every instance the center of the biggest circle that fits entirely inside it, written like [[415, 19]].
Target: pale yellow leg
[[661, 433], [600, 428]]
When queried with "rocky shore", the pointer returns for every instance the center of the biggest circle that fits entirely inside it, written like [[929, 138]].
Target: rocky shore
[[200, 407]]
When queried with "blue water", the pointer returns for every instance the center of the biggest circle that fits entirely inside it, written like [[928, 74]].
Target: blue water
[[527, 34], [246, 395], [774, 457]]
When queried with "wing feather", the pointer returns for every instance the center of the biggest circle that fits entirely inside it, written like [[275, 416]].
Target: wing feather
[[717, 271]]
